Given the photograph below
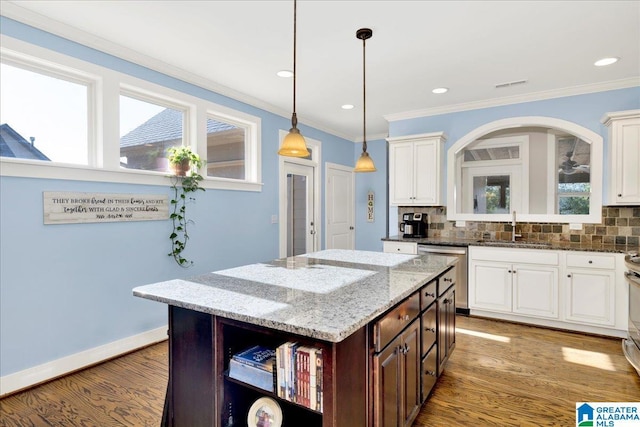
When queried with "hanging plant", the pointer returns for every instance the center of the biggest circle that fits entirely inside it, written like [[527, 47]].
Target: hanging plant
[[185, 183]]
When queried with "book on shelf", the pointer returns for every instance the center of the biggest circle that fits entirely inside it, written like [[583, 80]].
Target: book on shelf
[[257, 356], [297, 369], [251, 375], [254, 366]]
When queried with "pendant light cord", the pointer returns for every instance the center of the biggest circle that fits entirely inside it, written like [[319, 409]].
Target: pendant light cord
[[364, 96], [294, 117]]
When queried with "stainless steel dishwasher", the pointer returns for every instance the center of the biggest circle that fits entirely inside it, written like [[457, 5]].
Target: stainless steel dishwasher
[[462, 287]]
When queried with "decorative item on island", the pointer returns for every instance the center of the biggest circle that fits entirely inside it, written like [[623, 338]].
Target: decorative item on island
[[185, 181]]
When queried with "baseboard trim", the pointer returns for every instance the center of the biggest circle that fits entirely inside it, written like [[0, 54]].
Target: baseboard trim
[[56, 368]]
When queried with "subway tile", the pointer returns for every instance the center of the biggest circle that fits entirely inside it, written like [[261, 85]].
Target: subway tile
[[621, 240], [622, 222], [608, 240], [633, 240], [575, 238]]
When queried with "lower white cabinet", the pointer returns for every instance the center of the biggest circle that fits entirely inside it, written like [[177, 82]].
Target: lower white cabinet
[[528, 287], [591, 289], [410, 248], [576, 290]]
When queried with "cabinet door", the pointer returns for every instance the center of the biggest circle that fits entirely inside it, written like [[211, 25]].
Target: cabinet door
[[410, 348], [535, 291], [446, 327], [387, 386], [490, 286], [591, 296], [625, 161], [401, 179], [426, 171]]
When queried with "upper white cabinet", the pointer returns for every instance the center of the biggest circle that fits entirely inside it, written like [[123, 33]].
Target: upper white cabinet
[[624, 157], [415, 169]]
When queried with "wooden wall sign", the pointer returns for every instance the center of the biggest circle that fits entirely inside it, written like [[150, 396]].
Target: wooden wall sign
[[71, 208]]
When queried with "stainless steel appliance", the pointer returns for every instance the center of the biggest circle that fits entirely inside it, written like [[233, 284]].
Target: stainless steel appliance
[[631, 345], [414, 224], [462, 283]]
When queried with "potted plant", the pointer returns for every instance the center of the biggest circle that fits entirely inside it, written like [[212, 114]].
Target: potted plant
[[185, 182]]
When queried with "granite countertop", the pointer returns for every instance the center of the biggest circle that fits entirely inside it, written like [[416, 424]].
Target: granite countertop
[[324, 295], [566, 246]]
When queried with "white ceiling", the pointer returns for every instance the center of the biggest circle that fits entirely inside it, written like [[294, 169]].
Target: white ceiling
[[236, 47]]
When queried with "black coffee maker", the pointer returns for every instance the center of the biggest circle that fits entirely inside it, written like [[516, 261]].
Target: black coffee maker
[[414, 224]]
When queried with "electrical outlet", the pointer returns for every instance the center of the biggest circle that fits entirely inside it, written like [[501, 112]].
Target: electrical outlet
[[274, 219]]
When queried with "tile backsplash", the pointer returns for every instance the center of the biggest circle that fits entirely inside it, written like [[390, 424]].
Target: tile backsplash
[[620, 225]]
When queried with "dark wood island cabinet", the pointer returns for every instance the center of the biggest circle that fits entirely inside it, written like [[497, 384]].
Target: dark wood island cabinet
[[377, 318]]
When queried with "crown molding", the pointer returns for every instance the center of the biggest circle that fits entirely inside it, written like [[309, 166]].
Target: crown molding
[[18, 13], [530, 97]]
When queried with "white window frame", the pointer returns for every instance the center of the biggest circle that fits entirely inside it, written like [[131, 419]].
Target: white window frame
[[103, 127]]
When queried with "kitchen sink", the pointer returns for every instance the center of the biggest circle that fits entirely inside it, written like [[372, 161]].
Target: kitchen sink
[[517, 243]]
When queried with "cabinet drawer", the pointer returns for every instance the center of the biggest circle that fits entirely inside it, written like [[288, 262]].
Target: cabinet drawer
[[428, 328], [429, 372], [588, 260], [428, 295], [400, 247], [392, 323], [446, 280]]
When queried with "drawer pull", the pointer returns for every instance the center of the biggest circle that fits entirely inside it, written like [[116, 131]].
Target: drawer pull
[[448, 279], [430, 330], [428, 372], [405, 349], [427, 294], [403, 317]]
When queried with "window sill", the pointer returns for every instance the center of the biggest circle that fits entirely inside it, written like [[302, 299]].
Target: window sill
[[27, 169]]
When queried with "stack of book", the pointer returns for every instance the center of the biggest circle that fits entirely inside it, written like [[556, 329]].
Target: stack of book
[[255, 366], [299, 374]]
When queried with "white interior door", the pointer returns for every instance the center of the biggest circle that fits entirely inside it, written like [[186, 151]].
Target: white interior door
[[340, 207]]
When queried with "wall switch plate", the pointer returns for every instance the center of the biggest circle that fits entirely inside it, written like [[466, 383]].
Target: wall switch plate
[[575, 226], [461, 223]]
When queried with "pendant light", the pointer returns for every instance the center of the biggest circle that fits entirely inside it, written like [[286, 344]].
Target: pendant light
[[294, 144], [365, 162]]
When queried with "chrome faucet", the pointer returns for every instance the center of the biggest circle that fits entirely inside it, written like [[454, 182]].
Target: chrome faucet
[[513, 225]]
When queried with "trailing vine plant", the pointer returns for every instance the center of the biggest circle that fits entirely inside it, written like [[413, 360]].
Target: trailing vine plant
[[185, 183]]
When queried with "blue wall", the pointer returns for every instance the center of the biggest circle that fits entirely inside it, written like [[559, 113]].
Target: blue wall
[[67, 288]]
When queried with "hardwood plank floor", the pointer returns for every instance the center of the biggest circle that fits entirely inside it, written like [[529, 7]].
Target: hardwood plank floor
[[500, 374]]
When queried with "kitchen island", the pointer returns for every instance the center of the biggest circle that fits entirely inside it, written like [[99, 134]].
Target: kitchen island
[[352, 305]]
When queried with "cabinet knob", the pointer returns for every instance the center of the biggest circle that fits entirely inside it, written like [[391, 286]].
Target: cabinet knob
[[509, 271], [428, 372], [514, 272], [619, 195], [351, 228], [568, 275], [446, 301], [590, 262]]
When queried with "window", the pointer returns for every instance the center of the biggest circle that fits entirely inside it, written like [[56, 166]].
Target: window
[[147, 129], [573, 157], [225, 149], [64, 118], [43, 115]]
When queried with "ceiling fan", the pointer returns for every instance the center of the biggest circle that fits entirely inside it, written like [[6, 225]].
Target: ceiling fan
[[569, 166]]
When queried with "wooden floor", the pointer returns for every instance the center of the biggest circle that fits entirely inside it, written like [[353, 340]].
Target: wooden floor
[[500, 374]]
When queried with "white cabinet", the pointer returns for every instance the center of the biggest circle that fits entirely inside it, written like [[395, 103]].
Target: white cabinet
[[575, 290], [415, 170], [624, 157], [590, 289], [529, 289]]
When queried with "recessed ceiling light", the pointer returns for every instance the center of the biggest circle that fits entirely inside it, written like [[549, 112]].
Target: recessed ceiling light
[[347, 107], [440, 90], [285, 73], [605, 61]]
